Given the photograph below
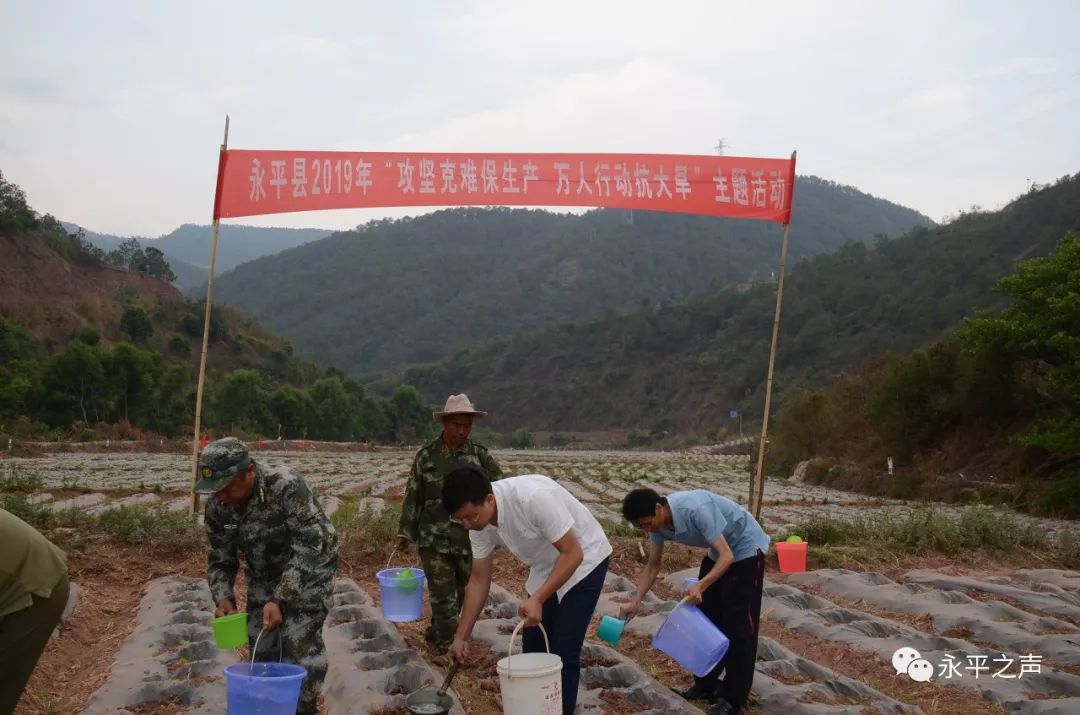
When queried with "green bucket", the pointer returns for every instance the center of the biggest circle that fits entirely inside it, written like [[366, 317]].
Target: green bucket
[[230, 631]]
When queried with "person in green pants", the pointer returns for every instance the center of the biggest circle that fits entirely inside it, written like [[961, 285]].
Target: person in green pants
[[33, 594], [444, 546]]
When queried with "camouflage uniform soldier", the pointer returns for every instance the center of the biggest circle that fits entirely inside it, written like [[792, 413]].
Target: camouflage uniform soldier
[[444, 546], [290, 552]]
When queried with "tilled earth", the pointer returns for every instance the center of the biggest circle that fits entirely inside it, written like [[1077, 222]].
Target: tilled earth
[[997, 637]]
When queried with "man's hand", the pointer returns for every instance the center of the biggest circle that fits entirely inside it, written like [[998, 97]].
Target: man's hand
[[629, 610], [532, 611], [401, 543], [224, 608], [694, 593], [271, 616], [459, 650]]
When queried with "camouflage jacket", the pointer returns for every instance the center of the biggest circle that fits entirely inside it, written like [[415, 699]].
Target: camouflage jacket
[[289, 545], [423, 518]]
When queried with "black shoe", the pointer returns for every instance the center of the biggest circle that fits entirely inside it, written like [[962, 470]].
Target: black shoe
[[697, 691], [722, 707]]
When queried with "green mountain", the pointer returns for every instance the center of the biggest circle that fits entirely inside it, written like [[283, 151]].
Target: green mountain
[[416, 290], [686, 365], [236, 244], [187, 249]]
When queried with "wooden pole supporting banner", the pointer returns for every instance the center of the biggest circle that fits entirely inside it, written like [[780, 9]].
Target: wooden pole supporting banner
[[757, 486], [195, 440]]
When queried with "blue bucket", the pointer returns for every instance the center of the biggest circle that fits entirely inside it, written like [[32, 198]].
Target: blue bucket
[[692, 640], [402, 598], [263, 688]]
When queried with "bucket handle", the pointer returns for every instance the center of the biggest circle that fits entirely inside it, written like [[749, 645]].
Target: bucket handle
[[510, 650], [390, 559], [256, 648]]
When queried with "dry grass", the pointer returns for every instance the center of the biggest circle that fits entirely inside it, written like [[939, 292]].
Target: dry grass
[[865, 666], [111, 578]]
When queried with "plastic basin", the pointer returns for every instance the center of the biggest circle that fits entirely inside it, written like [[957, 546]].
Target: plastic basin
[[692, 640], [402, 598], [263, 688]]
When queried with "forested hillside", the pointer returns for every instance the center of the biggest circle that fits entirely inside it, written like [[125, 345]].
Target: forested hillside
[[414, 290], [993, 414], [87, 346], [683, 366]]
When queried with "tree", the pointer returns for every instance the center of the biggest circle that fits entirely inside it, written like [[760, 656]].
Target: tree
[[243, 400], [411, 414], [521, 439], [87, 247], [15, 214], [21, 390], [131, 372], [376, 419], [127, 254], [152, 262], [136, 324], [75, 384], [167, 412], [1039, 335], [179, 345], [336, 410], [292, 409]]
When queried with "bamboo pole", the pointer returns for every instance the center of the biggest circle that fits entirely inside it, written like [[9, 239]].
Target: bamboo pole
[[206, 330], [757, 487]]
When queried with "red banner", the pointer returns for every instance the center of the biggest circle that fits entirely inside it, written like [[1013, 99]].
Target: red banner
[[252, 182]]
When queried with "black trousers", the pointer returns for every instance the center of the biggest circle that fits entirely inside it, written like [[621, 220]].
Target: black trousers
[[734, 604]]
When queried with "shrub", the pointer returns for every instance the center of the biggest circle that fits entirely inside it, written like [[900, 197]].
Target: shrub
[[150, 527], [927, 530], [521, 439], [19, 481], [179, 346], [364, 530]]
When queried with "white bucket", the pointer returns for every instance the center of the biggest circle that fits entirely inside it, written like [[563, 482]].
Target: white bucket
[[531, 683]]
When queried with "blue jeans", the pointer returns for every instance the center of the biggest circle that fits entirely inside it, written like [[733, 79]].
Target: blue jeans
[[566, 622]]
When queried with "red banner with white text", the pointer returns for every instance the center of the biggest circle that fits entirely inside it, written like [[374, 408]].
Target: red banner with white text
[[253, 182]]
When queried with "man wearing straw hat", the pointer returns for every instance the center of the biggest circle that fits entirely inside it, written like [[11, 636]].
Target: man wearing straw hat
[[444, 546], [730, 578], [290, 554], [560, 541]]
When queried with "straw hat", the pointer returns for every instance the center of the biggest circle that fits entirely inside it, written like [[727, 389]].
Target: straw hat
[[459, 405]]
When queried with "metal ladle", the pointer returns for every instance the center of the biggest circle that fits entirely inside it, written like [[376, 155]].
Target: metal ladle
[[429, 701]]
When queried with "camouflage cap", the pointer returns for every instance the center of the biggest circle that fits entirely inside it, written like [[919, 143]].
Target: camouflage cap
[[222, 460]]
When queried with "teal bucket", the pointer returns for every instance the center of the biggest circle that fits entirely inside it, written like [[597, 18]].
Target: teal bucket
[[610, 629], [263, 688]]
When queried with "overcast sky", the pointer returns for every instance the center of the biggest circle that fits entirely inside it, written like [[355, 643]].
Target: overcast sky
[[111, 113]]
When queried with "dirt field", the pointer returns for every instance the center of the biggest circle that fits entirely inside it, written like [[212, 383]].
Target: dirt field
[[828, 635]]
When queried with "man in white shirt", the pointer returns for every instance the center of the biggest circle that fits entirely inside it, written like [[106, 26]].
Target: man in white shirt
[[556, 536]]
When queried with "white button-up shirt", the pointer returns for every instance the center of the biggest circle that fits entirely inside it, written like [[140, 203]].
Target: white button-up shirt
[[533, 513]]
